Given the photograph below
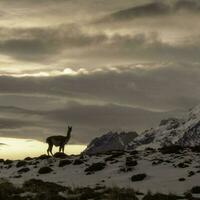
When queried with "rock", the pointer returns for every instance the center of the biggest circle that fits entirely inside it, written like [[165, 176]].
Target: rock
[[65, 162], [182, 165], [157, 161], [111, 141], [191, 173], [17, 176], [95, 167], [28, 158], [181, 179], [78, 162], [134, 152], [130, 162], [44, 170], [196, 149], [60, 155], [114, 155], [8, 162], [171, 149], [126, 169], [21, 163], [43, 157], [138, 177], [195, 190], [23, 170]]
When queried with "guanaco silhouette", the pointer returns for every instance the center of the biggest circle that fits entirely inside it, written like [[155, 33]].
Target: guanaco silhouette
[[58, 141]]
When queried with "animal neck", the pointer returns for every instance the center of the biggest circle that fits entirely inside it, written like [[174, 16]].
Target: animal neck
[[68, 135]]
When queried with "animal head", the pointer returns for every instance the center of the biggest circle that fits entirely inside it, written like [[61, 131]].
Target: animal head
[[69, 128]]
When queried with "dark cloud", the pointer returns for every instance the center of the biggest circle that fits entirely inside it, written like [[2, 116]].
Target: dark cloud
[[14, 123], [152, 9], [3, 144], [148, 86], [87, 120], [188, 5], [46, 44], [37, 43]]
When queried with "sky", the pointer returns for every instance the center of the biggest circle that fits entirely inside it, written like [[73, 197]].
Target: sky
[[97, 65]]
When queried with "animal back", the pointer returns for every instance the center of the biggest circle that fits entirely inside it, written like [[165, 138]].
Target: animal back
[[57, 140]]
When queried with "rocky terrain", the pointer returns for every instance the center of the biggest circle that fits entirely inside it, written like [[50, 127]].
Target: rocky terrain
[[172, 131], [168, 170]]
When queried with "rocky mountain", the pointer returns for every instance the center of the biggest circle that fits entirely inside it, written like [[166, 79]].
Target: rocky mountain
[[110, 142], [184, 132]]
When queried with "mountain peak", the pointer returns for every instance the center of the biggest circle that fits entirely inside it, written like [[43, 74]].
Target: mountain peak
[[111, 141]]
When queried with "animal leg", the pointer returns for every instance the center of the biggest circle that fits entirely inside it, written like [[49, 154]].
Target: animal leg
[[50, 149], [63, 149], [60, 148]]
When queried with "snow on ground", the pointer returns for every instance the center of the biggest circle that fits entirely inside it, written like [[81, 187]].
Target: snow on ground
[[162, 176]]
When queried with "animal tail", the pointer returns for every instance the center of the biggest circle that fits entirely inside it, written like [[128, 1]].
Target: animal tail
[[48, 140]]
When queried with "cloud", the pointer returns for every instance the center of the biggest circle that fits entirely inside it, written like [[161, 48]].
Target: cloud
[[88, 121], [140, 64], [146, 10], [37, 43], [152, 9], [3, 144], [147, 86], [44, 45]]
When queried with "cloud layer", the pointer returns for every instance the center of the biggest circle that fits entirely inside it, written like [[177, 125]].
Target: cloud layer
[[96, 66]]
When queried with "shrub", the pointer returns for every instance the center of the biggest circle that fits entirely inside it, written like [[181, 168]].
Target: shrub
[[7, 190], [159, 196], [121, 194], [39, 186]]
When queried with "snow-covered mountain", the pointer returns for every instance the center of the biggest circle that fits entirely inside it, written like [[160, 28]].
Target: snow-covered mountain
[[110, 142], [184, 132]]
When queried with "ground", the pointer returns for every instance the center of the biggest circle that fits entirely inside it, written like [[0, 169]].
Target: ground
[[143, 171]]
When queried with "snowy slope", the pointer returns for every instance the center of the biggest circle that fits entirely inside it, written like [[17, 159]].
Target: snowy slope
[[163, 171], [184, 132], [109, 142]]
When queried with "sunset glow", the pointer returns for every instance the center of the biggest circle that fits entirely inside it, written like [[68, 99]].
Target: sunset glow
[[13, 148]]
